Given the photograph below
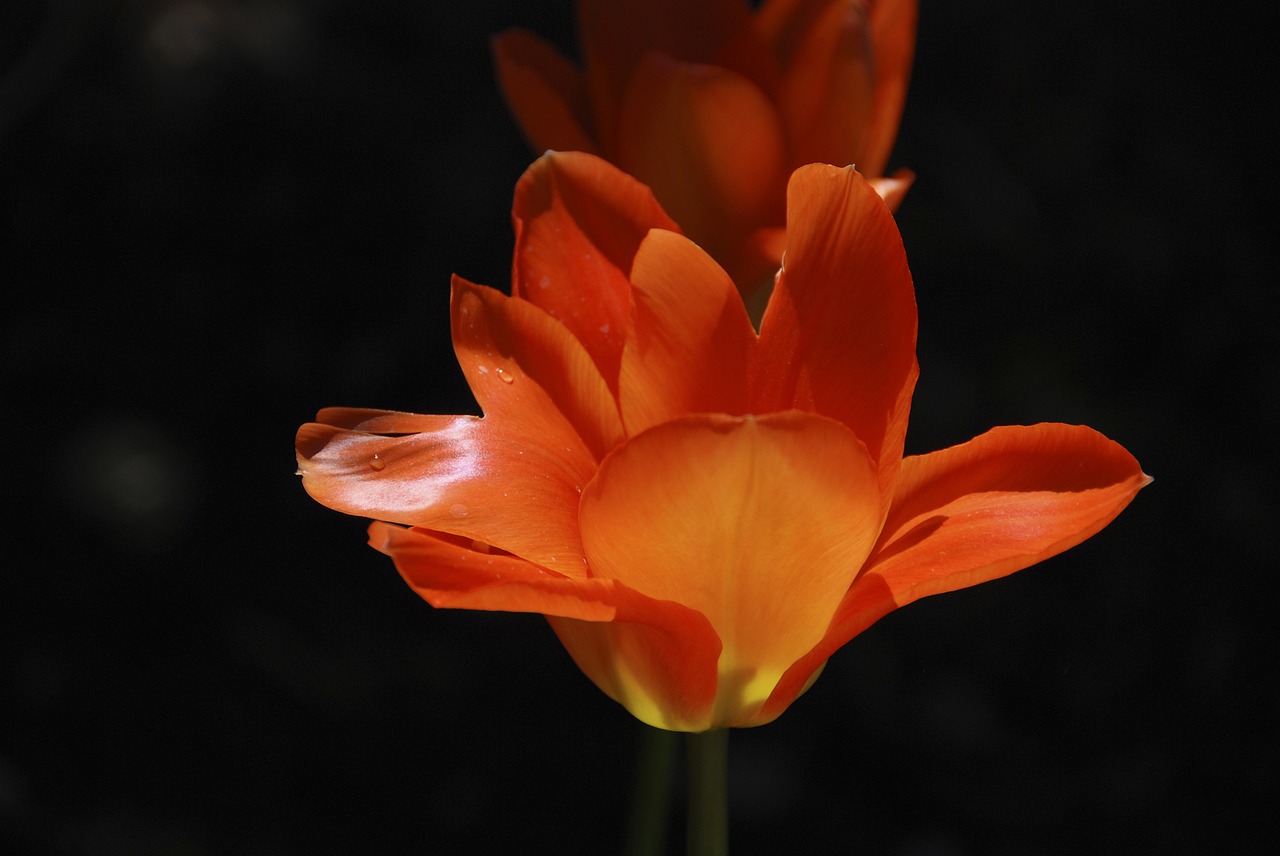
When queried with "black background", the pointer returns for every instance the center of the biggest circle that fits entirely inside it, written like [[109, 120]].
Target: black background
[[217, 217]]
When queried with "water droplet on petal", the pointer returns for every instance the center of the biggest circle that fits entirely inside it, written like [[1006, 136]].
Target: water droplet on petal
[[482, 369], [377, 464], [506, 378]]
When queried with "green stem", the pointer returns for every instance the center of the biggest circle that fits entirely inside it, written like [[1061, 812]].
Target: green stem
[[651, 802], [708, 833]]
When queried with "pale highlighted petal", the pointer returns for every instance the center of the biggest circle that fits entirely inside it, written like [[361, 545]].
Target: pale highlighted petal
[[690, 340], [477, 478], [579, 221], [720, 162], [544, 91], [838, 336], [978, 511], [759, 523]]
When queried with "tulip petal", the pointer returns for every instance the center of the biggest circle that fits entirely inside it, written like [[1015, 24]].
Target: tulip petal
[[775, 20], [978, 511], [615, 36], [690, 342], [1006, 499], [477, 478], [838, 336], [847, 64], [458, 573], [511, 479], [527, 370], [656, 658], [759, 523], [719, 164], [825, 49], [893, 188], [544, 91], [746, 53], [893, 32], [579, 221]]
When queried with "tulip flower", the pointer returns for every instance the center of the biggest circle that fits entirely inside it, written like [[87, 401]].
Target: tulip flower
[[713, 105], [704, 513]]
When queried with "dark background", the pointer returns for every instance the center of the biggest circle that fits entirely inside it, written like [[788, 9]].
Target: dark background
[[217, 217]]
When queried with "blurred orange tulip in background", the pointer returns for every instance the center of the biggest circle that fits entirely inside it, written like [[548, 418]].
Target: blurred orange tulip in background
[[713, 105]]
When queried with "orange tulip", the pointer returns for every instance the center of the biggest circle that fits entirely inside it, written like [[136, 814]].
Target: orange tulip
[[713, 105], [704, 513]]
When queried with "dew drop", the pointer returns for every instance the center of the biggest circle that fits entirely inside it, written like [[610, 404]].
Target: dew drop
[[458, 510], [506, 378], [482, 369], [377, 464]]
